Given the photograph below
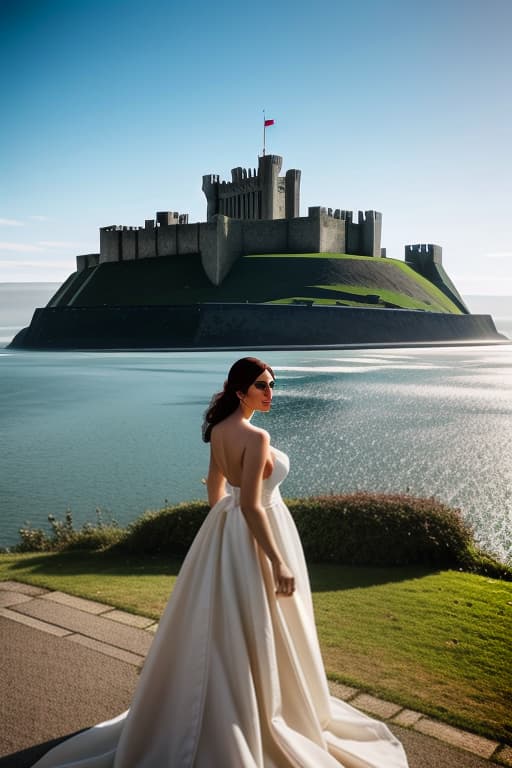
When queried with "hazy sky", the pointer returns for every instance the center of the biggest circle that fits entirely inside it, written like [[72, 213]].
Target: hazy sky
[[114, 109]]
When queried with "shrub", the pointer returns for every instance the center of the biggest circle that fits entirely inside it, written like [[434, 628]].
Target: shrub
[[477, 561], [380, 529], [170, 530], [92, 536], [32, 540], [353, 529]]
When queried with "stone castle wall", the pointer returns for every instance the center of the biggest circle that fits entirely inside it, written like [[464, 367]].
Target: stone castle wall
[[224, 239]]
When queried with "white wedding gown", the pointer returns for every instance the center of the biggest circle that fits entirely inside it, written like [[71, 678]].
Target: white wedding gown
[[234, 677]]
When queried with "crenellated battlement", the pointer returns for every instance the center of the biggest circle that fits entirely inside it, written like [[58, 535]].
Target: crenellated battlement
[[162, 219], [422, 255], [241, 174], [210, 179], [170, 218], [361, 238], [254, 193], [428, 249], [336, 213]]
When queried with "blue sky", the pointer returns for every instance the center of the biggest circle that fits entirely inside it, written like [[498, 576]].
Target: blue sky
[[115, 109]]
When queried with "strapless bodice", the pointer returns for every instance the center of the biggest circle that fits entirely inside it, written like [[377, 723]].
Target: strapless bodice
[[270, 485]]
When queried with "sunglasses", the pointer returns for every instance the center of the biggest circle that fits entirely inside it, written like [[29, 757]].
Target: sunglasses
[[263, 384]]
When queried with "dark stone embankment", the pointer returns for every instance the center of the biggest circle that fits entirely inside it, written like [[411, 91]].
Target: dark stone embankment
[[245, 325]]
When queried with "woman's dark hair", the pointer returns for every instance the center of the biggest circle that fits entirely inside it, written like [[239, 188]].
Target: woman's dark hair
[[240, 377]]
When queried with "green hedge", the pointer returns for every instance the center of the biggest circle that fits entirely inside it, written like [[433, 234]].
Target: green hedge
[[352, 529], [355, 529], [169, 530], [380, 529]]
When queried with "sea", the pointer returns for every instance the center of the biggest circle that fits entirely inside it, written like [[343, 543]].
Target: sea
[[112, 434]]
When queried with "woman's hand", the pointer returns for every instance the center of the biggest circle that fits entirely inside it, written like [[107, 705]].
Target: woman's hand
[[283, 579]]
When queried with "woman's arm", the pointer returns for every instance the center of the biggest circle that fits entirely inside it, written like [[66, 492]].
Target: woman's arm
[[255, 457], [215, 482]]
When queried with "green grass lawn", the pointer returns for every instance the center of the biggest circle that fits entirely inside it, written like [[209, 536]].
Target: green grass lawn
[[334, 295], [401, 300], [438, 642]]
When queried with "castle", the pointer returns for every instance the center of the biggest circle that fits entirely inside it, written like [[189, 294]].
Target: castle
[[254, 273], [256, 212]]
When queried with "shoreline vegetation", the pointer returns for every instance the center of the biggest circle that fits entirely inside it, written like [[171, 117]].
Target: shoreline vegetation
[[374, 529], [407, 607]]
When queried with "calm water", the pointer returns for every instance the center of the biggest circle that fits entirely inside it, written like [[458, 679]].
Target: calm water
[[17, 304], [121, 431]]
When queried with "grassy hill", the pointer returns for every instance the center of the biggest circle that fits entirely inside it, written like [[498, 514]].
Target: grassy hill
[[323, 278]]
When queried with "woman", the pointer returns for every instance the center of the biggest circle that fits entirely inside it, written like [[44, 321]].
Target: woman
[[234, 677], [241, 452]]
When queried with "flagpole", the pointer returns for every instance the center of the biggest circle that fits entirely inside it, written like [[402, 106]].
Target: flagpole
[[264, 129]]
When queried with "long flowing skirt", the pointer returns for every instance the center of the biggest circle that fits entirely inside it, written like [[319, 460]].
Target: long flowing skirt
[[234, 677]]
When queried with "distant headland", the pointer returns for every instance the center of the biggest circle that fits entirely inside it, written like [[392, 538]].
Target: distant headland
[[254, 274]]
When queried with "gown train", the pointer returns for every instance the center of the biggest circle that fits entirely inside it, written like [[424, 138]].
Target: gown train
[[234, 677]]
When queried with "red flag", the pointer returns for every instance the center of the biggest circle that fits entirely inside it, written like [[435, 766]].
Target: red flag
[[269, 122]]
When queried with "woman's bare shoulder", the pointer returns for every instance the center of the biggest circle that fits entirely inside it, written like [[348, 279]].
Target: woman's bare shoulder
[[244, 432], [257, 436]]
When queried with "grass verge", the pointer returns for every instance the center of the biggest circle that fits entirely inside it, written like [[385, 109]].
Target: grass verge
[[438, 642]]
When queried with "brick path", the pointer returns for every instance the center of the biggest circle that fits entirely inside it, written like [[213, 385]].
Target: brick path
[[68, 663]]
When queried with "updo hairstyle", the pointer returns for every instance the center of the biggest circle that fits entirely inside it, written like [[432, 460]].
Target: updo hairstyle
[[242, 374]]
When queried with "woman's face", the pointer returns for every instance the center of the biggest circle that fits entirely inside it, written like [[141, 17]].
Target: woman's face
[[259, 395]]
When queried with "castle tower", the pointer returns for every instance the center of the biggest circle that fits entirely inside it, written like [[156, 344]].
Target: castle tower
[[422, 256], [370, 225], [292, 194], [211, 191], [268, 174], [254, 194]]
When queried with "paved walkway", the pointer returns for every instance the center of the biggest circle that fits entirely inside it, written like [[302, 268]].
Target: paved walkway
[[68, 663]]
